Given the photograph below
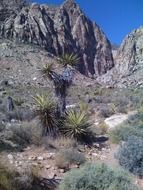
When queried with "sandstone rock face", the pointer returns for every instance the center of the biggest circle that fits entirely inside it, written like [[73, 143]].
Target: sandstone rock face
[[128, 63], [129, 59], [60, 30]]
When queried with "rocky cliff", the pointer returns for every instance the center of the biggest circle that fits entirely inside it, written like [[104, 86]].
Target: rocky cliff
[[128, 63], [59, 30], [129, 59]]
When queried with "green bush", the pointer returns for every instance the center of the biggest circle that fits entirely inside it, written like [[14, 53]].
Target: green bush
[[97, 177], [67, 157], [122, 133], [130, 155]]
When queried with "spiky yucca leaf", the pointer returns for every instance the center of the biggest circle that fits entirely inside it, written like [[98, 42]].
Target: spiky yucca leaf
[[69, 59], [47, 69], [76, 124], [46, 111]]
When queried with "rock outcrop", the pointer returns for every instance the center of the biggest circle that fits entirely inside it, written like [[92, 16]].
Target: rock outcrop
[[128, 63], [129, 59], [60, 30]]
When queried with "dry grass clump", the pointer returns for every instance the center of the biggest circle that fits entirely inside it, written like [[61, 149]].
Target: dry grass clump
[[60, 143], [27, 133], [11, 179], [65, 158]]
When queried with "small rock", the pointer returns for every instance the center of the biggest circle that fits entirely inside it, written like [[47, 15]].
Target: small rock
[[35, 78], [74, 166], [62, 171], [10, 156], [27, 148], [51, 175], [103, 149], [96, 145], [13, 121], [32, 158], [8, 125], [50, 155], [34, 164], [40, 158], [11, 161], [48, 167], [94, 154], [20, 163]]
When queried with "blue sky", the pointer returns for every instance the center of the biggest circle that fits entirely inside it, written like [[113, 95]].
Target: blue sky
[[116, 17]]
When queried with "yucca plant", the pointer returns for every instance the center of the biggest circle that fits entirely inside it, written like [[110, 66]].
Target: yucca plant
[[76, 124], [61, 81], [46, 109], [68, 59], [47, 70]]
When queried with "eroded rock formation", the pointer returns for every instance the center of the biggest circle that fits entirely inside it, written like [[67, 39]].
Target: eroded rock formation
[[128, 69]]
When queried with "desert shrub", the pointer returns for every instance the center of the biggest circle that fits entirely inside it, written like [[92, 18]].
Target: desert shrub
[[122, 133], [134, 126], [103, 127], [97, 176], [122, 104], [98, 99], [18, 101], [130, 155], [27, 133], [76, 125], [100, 129], [20, 115], [106, 111], [122, 108], [11, 179], [60, 142], [67, 157], [136, 119]]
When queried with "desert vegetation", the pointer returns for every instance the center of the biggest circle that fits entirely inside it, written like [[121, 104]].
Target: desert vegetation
[[130, 155], [67, 124], [97, 176]]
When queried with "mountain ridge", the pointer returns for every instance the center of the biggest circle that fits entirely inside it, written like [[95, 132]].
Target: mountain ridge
[[59, 30]]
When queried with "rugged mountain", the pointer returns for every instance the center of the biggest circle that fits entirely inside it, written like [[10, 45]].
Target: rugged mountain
[[59, 30], [128, 62]]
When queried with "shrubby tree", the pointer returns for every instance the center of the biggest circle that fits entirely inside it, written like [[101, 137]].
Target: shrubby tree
[[97, 177], [130, 155]]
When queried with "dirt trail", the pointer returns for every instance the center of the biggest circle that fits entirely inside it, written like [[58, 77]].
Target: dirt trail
[[117, 119]]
